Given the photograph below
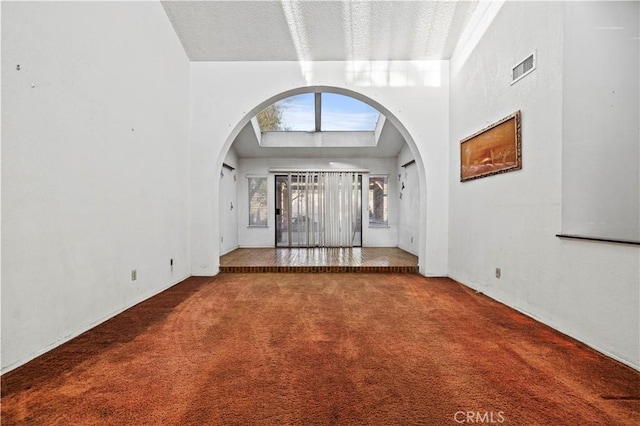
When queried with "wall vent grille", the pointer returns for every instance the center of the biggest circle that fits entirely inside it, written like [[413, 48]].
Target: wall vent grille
[[523, 68]]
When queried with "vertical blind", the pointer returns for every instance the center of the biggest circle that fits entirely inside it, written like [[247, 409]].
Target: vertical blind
[[325, 206]]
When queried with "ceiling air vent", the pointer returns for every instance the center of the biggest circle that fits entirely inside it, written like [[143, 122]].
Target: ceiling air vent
[[523, 68]]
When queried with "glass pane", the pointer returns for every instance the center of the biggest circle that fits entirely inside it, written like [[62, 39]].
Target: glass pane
[[258, 201], [341, 113], [357, 237], [302, 219], [282, 211], [296, 113], [378, 187]]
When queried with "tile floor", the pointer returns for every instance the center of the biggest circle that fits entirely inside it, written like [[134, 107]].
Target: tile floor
[[357, 259]]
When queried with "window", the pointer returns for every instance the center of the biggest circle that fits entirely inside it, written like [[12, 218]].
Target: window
[[318, 112], [378, 204], [296, 113], [258, 201], [342, 113]]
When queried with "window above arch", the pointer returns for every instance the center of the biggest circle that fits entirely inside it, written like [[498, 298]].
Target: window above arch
[[318, 112]]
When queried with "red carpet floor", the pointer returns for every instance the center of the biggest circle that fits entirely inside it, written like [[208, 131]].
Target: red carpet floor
[[321, 349]]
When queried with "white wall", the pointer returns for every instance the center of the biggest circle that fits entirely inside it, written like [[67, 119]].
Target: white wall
[[413, 95], [408, 226], [228, 203], [94, 166], [587, 290], [265, 237], [601, 128]]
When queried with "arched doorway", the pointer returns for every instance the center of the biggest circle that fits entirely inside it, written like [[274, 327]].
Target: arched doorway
[[412, 169]]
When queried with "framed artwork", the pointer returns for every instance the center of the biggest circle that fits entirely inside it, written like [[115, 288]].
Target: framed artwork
[[492, 150]]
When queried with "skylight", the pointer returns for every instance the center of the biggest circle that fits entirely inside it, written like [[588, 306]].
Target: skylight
[[295, 113], [316, 112], [343, 113]]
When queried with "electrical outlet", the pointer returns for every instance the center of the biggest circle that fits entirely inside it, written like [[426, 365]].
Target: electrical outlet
[[498, 272], [134, 274], [411, 240]]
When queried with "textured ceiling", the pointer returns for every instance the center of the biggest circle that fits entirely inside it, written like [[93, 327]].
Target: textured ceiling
[[318, 30]]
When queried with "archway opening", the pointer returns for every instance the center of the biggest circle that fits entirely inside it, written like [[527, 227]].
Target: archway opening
[[385, 155]]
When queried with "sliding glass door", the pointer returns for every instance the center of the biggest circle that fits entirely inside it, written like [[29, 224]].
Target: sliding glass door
[[318, 209]]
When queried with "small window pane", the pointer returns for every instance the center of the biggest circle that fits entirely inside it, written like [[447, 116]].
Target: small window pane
[[258, 201], [378, 201], [295, 113], [343, 113]]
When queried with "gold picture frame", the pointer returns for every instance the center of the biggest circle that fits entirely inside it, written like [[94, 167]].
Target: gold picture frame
[[494, 149]]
